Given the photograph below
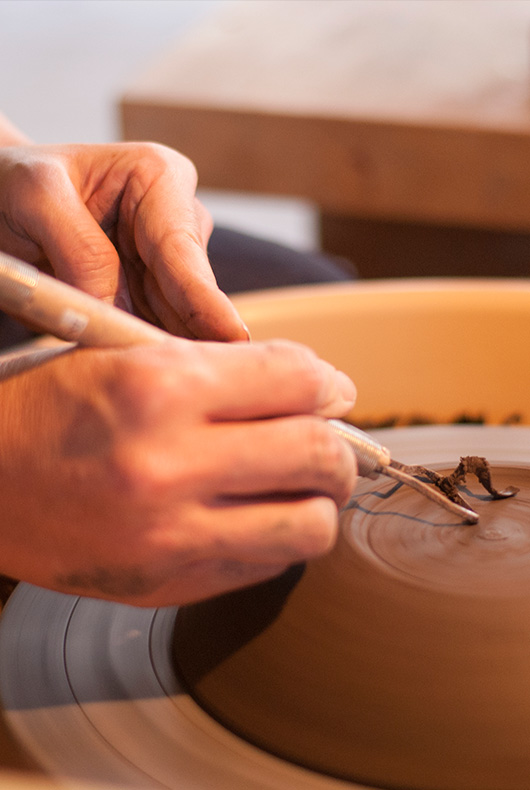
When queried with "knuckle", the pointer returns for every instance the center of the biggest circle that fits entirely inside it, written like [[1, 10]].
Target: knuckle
[[145, 475], [311, 381], [296, 352], [320, 528], [154, 383], [189, 167], [184, 240], [326, 450], [148, 150], [149, 405], [163, 156], [96, 263], [142, 389], [184, 164], [136, 476], [38, 174], [333, 462], [299, 361]]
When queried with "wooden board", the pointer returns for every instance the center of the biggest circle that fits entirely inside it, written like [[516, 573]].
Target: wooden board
[[406, 110]]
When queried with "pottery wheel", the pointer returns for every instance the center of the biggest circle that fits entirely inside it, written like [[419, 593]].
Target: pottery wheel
[[91, 691]]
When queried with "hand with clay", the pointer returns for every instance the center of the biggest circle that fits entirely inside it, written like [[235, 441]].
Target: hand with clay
[[120, 221], [161, 475]]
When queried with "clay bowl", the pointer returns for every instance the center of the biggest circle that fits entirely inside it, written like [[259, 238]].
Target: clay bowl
[[433, 348], [401, 659]]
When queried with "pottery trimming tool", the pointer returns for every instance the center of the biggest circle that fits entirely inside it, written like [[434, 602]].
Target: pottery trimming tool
[[70, 314], [374, 459]]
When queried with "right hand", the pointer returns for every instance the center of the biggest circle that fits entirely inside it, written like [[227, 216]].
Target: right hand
[[165, 474]]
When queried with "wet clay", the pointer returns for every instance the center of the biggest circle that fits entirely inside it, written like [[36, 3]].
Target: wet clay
[[399, 660]]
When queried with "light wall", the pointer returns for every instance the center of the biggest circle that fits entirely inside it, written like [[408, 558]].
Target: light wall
[[64, 63]]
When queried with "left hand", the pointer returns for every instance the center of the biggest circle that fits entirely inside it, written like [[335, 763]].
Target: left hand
[[122, 222]]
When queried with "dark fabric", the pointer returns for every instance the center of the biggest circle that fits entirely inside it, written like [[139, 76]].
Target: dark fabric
[[240, 263], [245, 263], [12, 332]]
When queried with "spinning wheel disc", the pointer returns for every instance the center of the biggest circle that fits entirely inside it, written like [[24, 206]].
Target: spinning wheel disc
[[90, 687]]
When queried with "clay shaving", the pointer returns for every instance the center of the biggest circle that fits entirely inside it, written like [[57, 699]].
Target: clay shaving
[[448, 484]]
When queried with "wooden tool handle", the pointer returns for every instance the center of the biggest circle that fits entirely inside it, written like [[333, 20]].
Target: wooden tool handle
[[66, 312]]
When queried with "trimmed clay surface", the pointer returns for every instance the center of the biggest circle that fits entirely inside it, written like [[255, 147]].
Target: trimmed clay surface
[[400, 660]]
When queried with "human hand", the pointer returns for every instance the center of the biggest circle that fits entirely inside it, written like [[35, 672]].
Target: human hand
[[162, 475], [121, 222]]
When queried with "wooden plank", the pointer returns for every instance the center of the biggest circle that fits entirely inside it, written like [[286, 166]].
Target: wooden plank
[[369, 169], [408, 110], [388, 249]]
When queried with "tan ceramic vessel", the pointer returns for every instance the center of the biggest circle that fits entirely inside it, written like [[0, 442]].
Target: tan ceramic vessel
[[429, 347], [402, 659]]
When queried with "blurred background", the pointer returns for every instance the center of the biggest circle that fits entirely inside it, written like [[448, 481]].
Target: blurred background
[[404, 125], [65, 64]]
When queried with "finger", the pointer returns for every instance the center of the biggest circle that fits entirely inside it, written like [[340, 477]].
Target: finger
[[67, 239], [150, 303], [271, 379], [206, 580], [204, 222], [251, 544], [275, 533], [80, 252], [177, 264], [171, 237], [270, 458], [161, 308]]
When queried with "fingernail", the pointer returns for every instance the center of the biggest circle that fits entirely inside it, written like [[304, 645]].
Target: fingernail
[[247, 331], [346, 388]]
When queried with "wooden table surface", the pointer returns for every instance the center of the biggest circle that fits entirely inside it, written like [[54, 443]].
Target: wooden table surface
[[388, 114]]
